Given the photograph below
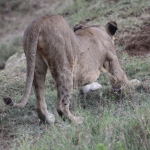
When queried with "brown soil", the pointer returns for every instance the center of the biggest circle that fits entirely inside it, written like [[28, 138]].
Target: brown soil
[[138, 42]]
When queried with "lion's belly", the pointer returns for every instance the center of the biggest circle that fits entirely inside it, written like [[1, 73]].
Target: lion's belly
[[83, 78]]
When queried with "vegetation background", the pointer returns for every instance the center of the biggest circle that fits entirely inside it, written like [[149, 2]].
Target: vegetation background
[[111, 121]]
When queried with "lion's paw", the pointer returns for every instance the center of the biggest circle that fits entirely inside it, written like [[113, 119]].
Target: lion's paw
[[93, 86], [78, 120], [135, 82], [50, 119]]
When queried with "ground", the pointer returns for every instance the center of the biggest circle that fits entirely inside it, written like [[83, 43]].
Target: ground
[[112, 121], [138, 42]]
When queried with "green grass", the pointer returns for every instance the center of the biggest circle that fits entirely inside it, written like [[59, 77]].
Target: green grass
[[17, 5], [8, 49], [124, 12], [111, 121]]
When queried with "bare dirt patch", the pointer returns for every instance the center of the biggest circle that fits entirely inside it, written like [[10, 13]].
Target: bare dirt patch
[[138, 42]]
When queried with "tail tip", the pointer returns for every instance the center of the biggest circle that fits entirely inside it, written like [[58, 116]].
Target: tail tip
[[8, 101]]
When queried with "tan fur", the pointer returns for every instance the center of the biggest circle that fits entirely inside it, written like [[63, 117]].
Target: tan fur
[[74, 59]]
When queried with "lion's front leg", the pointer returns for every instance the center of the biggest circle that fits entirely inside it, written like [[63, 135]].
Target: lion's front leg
[[64, 82], [121, 80], [116, 71]]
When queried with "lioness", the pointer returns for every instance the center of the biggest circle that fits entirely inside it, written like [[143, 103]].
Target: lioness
[[74, 59], [111, 28]]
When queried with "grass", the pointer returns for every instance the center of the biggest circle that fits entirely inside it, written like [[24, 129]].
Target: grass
[[8, 49], [111, 121]]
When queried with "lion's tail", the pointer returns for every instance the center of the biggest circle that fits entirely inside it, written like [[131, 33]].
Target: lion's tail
[[30, 47]]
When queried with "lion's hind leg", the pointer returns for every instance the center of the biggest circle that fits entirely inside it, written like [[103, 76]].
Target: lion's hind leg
[[38, 85], [64, 84]]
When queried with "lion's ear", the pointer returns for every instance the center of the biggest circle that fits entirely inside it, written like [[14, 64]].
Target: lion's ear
[[78, 26], [111, 28]]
